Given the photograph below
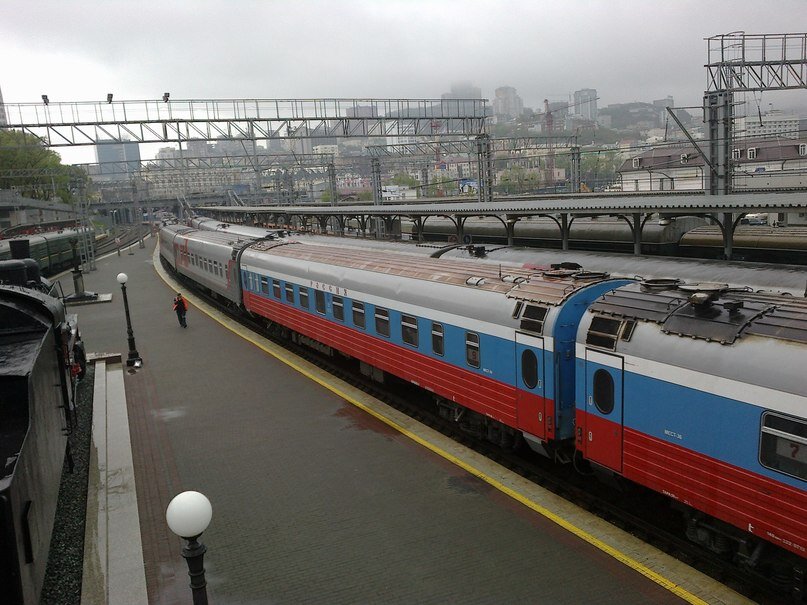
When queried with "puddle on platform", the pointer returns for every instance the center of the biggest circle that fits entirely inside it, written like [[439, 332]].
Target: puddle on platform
[[468, 484], [169, 414], [362, 421]]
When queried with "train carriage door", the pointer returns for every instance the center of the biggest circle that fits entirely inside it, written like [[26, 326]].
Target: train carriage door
[[603, 417], [530, 402]]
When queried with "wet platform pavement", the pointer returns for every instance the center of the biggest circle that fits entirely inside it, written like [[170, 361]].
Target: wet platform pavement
[[315, 500]]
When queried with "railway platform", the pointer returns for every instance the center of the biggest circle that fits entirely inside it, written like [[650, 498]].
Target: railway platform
[[322, 494]]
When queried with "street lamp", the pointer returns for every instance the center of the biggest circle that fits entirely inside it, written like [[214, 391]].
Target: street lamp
[[188, 515], [134, 357]]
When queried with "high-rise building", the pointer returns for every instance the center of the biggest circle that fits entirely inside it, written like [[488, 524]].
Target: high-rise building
[[463, 90], [585, 103], [121, 159], [3, 118], [506, 103]]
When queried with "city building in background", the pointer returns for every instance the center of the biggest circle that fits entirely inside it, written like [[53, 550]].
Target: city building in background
[[585, 103], [463, 90], [770, 124], [3, 118], [507, 105], [119, 157]]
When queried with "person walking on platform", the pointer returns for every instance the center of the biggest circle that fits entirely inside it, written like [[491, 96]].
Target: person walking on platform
[[181, 308]]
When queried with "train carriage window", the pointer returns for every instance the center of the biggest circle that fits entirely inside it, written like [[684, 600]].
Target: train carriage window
[[603, 391], [438, 343], [338, 308], [517, 309], [409, 330], [304, 297], [783, 445], [529, 368], [532, 319], [319, 301], [603, 332], [472, 349], [264, 284], [358, 314], [275, 288], [249, 281], [382, 322], [627, 330], [289, 293]]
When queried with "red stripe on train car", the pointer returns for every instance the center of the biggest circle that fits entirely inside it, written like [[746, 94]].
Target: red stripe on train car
[[479, 393], [769, 509]]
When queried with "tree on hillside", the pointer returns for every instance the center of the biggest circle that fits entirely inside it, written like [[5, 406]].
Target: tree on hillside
[[405, 180], [40, 172]]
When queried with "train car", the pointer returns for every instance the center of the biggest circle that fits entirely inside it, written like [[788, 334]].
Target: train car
[[754, 242], [37, 343], [451, 327], [600, 234], [53, 251], [208, 258], [692, 391], [208, 224], [696, 391]]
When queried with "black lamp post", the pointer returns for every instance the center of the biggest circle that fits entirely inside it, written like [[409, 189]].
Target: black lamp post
[[188, 515], [134, 357]]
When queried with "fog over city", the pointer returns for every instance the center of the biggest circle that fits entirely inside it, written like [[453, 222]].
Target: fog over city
[[627, 50]]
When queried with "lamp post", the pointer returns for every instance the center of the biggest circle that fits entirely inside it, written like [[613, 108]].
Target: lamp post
[[134, 357], [188, 515]]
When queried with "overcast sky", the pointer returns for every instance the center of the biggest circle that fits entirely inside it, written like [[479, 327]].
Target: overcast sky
[[628, 50]]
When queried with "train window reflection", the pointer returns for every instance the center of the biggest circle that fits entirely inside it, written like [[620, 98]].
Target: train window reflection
[[382, 322], [783, 445], [529, 369], [437, 339], [472, 355], [603, 387], [338, 308], [358, 314], [409, 330]]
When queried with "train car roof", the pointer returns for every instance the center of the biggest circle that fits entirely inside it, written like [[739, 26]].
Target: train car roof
[[759, 276], [712, 312], [545, 287]]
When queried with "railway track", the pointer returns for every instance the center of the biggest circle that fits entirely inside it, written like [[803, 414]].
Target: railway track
[[644, 514]]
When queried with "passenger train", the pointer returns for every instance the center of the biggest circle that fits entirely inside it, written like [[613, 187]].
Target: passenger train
[[693, 390]]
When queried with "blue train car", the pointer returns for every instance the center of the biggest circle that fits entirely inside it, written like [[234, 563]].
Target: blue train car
[[696, 391]]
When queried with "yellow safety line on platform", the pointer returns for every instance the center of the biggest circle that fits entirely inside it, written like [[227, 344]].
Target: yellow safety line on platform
[[282, 355]]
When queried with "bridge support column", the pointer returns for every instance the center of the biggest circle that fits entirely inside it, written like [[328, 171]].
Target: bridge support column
[[510, 227], [461, 228], [418, 228], [564, 231], [637, 233], [728, 234]]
